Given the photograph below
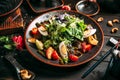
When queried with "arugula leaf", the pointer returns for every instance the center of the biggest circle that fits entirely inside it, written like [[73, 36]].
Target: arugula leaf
[[77, 33], [68, 29], [82, 25], [6, 42]]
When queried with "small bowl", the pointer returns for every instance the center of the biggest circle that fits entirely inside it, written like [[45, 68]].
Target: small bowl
[[9, 6], [39, 6], [88, 8]]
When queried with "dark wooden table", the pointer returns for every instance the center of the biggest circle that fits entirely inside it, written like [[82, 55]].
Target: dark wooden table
[[46, 72]]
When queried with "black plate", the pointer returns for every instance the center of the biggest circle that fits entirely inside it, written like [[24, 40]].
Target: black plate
[[87, 7], [85, 58]]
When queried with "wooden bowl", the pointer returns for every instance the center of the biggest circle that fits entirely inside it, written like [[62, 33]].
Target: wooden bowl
[[39, 6]]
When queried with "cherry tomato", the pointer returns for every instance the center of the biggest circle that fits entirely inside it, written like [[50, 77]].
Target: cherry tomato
[[86, 47], [34, 31], [49, 52], [66, 7], [55, 55]]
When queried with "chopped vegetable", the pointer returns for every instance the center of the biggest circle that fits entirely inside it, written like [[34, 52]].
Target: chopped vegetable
[[31, 40], [63, 52], [66, 7], [86, 47], [39, 44], [92, 40], [73, 57], [34, 31], [49, 52], [55, 55], [62, 38]]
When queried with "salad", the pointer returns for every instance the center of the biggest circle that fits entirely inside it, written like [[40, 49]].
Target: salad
[[64, 38]]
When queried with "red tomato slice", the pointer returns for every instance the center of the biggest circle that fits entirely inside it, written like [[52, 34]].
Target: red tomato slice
[[86, 47], [73, 57], [34, 31], [55, 55]]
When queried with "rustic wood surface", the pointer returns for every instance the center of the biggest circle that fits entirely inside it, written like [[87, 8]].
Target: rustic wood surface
[[46, 72]]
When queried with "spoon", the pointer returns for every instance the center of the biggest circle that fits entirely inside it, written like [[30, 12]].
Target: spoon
[[22, 73]]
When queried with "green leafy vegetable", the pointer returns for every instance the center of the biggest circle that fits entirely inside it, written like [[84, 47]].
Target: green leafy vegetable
[[4, 39], [67, 29], [5, 42], [7, 46]]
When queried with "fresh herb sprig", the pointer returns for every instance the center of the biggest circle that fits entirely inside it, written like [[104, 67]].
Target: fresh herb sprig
[[11, 42]]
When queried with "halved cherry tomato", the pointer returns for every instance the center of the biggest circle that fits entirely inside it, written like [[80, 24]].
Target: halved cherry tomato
[[86, 47], [55, 55], [34, 31], [49, 52], [66, 7], [73, 57]]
